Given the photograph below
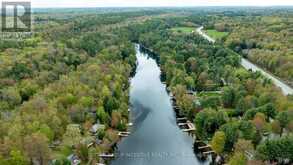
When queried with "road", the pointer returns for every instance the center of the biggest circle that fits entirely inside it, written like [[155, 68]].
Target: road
[[286, 89]]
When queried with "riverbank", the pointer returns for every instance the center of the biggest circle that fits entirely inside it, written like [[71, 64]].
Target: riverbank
[[154, 122], [202, 150]]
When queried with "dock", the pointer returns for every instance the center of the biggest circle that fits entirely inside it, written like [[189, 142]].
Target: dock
[[181, 119], [123, 134], [187, 126], [106, 156], [190, 128], [208, 152], [90, 145], [203, 147], [175, 107]]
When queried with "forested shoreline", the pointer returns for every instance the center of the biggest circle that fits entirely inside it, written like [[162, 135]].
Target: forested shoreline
[[59, 83], [239, 110], [73, 73]]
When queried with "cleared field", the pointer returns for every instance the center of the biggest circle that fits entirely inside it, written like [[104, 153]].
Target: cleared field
[[209, 94], [183, 29], [216, 34]]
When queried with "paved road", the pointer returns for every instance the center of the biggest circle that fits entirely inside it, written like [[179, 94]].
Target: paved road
[[286, 89], [199, 30]]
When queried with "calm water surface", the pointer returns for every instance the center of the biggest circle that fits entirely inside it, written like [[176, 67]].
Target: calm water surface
[[155, 138]]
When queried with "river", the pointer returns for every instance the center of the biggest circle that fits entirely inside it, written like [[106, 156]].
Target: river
[[155, 138], [286, 89]]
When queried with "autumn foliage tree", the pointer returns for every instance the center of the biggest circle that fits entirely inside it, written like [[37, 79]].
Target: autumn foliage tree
[[218, 142]]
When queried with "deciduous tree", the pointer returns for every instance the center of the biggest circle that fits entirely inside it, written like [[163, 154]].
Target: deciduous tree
[[218, 142]]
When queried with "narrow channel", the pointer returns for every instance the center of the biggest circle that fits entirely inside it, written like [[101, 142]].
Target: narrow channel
[[155, 138]]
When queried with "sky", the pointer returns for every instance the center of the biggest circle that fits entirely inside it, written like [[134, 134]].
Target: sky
[[151, 3]]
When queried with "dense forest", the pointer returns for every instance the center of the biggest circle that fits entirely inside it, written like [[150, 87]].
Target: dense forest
[[265, 39], [57, 83], [239, 110], [67, 84]]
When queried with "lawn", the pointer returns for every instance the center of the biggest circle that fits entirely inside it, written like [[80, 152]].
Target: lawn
[[216, 34], [209, 94], [183, 29]]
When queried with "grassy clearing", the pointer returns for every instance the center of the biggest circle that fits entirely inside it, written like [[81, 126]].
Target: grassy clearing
[[209, 94], [216, 34], [183, 29]]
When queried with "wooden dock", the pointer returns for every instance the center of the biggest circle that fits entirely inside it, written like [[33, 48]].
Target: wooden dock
[[90, 145], [106, 156], [175, 107], [123, 134], [189, 130], [182, 124], [203, 147], [187, 127], [181, 119], [208, 152]]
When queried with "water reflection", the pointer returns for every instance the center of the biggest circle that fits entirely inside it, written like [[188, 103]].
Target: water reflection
[[155, 138]]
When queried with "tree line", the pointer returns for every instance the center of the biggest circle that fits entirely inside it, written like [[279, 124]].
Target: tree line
[[236, 110]]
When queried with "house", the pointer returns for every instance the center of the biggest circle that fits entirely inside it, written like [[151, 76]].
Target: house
[[96, 127], [73, 159]]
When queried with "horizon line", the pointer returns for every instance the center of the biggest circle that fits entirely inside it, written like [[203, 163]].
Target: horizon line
[[203, 6]]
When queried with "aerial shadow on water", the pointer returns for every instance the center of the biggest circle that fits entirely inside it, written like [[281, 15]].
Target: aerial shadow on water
[[139, 114], [155, 138]]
